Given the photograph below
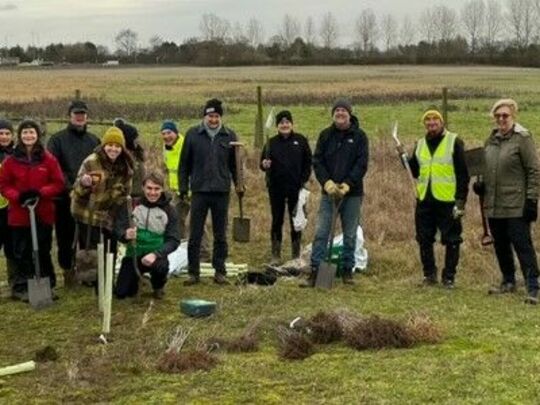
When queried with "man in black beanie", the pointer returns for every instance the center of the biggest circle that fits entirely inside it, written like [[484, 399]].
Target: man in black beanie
[[208, 166], [286, 159], [70, 146], [340, 163]]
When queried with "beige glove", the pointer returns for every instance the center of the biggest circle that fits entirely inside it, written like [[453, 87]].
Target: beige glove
[[343, 189], [330, 187]]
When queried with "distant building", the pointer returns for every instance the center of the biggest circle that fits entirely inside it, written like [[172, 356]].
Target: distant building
[[111, 63], [9, 61]]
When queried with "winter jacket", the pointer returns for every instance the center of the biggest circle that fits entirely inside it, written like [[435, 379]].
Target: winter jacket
[[208, 164], [291, 162], [157, 227], [71, 146], [42, 173], [460, 167], [4, 153], [342, 156], [511, 172], [98, 204]]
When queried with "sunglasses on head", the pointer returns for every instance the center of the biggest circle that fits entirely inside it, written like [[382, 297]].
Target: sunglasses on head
[[501, 115]]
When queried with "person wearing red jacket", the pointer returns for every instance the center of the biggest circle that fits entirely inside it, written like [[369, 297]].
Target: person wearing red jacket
[[31, 173]]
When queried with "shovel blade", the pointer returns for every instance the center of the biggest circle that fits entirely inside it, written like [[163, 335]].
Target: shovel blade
[[326, 276], [39, 292], [241, 227]]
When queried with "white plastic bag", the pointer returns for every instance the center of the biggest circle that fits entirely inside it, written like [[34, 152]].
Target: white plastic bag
[[178, 260], [300, 218]]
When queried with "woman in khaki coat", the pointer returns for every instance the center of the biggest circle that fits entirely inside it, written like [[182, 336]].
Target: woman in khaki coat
[[510, 188]]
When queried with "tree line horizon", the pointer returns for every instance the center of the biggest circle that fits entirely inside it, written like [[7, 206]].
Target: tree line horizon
[[499, 32]]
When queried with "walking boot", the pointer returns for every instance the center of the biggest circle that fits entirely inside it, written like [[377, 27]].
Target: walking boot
[[347, 277], [192, 280], [295, 248], [221, 279], [532, 297], [276, 253], [158, 293], [11, 266], [506, 287], [310, 281]]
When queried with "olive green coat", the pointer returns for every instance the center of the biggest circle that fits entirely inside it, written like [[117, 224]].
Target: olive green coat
[[511, 173]]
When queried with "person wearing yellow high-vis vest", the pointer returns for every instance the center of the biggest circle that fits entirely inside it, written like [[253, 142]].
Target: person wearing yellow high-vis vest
[[439, 166], [6, 149]]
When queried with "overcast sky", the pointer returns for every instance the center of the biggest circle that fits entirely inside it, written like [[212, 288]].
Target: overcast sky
[[41, 22]]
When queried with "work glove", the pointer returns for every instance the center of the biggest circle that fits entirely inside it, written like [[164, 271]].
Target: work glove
[[27, 196], [479, 188], [240, 191], [183, 195], [459, 209], [330, 188], [343, 189], [530, 210]]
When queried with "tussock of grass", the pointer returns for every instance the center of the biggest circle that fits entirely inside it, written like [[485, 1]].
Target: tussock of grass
[[423, 330], [293, 344], [378, 333], [325, 327], [48, 353], [183, 362]]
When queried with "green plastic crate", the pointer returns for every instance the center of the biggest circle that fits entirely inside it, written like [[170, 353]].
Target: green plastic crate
[[197, 308]]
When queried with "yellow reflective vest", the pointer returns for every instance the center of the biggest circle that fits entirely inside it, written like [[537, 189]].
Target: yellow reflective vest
[[172, 163], [437, 169]]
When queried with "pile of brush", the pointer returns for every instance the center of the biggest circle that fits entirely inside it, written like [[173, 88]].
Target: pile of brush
[[361, 333]]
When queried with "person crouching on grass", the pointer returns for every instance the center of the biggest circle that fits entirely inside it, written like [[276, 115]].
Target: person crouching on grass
[[153, 236], [30, 175], [100, 192]]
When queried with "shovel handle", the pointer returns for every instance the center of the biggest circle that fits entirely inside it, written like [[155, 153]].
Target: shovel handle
[[241, 206], [336, 204], [33, 231]]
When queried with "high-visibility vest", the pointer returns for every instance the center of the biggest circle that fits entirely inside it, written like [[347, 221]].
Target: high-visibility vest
[[437, 169], [172, 163]]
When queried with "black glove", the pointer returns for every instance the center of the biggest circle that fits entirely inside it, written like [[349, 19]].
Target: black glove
[[530, 210], [26, 196], [479, 187]]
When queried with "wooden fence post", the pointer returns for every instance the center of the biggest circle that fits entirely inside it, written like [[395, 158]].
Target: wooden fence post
[[259, 134]]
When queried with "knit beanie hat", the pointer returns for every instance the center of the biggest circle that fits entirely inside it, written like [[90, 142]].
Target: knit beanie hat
[[213, 106], [169, 125], [28, 123], [5, 124], [114, 135], [432, 113], [343, 103], [130, 132], [284, 114]]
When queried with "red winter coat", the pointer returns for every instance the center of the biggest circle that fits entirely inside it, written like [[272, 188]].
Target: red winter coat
[[42, 172]]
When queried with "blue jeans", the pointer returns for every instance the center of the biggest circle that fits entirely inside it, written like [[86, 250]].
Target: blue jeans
[[349, 213]]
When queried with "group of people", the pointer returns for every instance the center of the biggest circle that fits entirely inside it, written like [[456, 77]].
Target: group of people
[[96, 190]]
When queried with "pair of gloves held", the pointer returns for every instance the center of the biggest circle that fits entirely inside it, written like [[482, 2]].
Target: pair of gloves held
[[28, 196], [336, 190], [530, 209]]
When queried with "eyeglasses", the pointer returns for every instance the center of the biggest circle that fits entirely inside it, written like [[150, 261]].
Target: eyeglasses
[[503, 116]]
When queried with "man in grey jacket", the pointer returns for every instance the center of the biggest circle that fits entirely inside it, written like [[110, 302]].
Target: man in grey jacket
[[208, 166]]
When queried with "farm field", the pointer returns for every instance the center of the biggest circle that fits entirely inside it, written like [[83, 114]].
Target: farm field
[[489, 353]]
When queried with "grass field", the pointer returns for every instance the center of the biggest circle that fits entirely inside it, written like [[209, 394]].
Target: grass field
[[490, 349]]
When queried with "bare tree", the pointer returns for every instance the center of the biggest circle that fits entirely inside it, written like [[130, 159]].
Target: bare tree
[[366, 29], [407, 32], [521, 15], [290, 29], [428, 25], [126, 42], [389, 31], [473, 18], [254, 32], [237, 34], [446, 23], [494, 22], [214, 28], [329, 30], [309, 30], [155, 42]]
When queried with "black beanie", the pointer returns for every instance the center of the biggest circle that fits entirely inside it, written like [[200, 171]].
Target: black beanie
[[130, 132], [213, 106], [28, 123], [284, 114], [343, 103], [5, 124]]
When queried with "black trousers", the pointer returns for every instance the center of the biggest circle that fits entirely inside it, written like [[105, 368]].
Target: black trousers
[[127, 283], [6, 242], [515, 233], [430, 216], [23, 253], [218, 205], [278, 200], [65, 232]]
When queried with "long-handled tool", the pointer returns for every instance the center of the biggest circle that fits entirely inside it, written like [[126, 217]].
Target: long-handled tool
[[403, 156], [327, 270], [39, 288], [487, 239], [241, 225]]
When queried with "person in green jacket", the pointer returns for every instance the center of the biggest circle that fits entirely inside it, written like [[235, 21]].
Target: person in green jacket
[[510, 187]]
